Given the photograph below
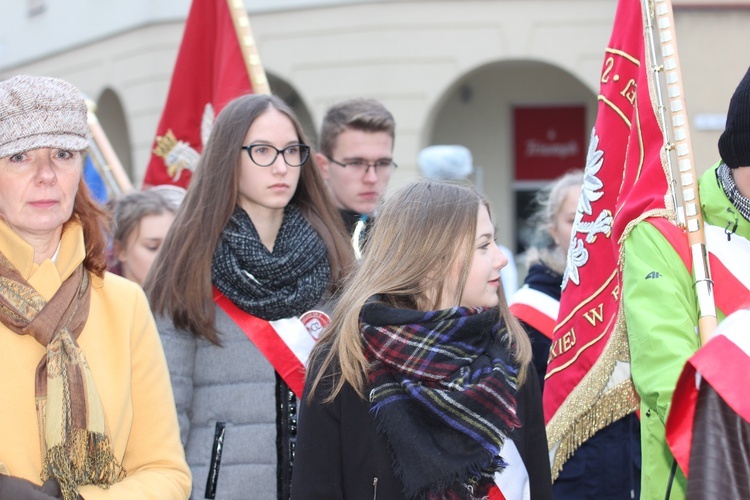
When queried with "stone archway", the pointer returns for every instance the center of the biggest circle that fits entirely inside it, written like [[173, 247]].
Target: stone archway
[[290, 96], [111, 115]]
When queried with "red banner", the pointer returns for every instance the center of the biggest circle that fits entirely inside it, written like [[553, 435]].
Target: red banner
[[210, 71], [588, 384]]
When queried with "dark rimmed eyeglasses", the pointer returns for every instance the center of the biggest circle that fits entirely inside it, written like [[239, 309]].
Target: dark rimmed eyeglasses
[[264, 155], [362, 166]]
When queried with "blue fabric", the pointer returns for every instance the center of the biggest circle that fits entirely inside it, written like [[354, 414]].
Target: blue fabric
[[94, 181], [606, 467]]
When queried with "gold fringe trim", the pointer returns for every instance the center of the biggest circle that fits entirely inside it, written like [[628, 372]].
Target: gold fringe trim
[[612, 406], [85, 458], [589, 408]]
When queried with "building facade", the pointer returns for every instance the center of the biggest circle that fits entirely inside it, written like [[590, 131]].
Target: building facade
[[515, 81]]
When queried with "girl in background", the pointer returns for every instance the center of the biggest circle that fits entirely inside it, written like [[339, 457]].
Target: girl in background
[[537, 302], [420, 388], [606, 466], [141, 220], [255, 245]]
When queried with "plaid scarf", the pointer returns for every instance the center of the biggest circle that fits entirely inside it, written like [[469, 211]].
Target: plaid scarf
[[271, 285], [76, 449], [444, 393]]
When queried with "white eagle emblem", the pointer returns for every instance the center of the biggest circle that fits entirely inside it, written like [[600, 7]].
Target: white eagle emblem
[[592, 190], [180, 155]]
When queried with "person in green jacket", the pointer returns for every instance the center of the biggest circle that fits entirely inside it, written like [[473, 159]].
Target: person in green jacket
[[661, 306]]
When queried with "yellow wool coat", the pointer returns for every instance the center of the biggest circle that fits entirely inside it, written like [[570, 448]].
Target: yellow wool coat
[[127, 362]]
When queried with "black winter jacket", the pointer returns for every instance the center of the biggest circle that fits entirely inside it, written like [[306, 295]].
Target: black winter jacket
[[341, 455]]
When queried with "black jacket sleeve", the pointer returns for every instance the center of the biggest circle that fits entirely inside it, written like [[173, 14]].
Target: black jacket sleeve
[[340, 454], [531, 438], [317, 472], [540, 346]]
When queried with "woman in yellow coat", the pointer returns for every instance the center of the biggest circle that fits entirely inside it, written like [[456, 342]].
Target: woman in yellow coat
[[87, 406]]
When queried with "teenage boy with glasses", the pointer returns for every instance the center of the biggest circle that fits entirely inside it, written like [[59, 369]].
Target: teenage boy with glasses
[[356, 157]]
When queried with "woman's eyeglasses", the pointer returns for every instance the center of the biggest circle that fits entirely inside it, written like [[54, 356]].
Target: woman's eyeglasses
[[264, 155]]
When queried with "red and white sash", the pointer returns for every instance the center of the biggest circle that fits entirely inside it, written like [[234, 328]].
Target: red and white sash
[[513, 482], [536, 309], [728, 258], [724, 359], [724, 362], [286, 343]]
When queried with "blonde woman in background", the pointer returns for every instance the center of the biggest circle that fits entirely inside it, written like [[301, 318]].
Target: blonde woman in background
[[607, 466], [537, 302]]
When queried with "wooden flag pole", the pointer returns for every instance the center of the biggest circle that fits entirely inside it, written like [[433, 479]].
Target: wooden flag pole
[[249, 50], [678, 149], [109, 165]]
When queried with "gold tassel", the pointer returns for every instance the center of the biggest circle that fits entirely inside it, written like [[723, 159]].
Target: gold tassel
[[86, 458]]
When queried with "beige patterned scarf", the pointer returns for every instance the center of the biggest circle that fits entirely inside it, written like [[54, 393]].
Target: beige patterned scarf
[[75, 447]]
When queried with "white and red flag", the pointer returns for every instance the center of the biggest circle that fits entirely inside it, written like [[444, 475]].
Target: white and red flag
[[724, 363], [217, 62], [588, 383]]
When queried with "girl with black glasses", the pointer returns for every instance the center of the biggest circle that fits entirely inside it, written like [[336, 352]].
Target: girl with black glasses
[[239, 289]]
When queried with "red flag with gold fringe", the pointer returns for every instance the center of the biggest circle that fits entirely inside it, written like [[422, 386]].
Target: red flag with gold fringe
[[588, 384], [215, 64]]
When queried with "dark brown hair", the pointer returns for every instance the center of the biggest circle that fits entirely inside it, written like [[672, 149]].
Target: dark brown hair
[[179, 282]]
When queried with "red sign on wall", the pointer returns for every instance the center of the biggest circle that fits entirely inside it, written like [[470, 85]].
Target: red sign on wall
[[549, 141]]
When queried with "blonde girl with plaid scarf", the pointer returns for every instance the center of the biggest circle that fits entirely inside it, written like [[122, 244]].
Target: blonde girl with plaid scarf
[[421, 387]]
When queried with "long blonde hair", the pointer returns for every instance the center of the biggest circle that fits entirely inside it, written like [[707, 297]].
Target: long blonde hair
[[418, 235]]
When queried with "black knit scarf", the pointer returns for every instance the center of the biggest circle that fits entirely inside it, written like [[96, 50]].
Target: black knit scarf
[[444, 394], [271, 285]]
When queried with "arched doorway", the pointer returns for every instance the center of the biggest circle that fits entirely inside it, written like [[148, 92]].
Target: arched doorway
[[290, 96], [111, 116], [480, 111]]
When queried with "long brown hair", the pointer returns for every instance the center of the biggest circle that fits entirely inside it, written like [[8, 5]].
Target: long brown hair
[[179, 282], [419, 234]]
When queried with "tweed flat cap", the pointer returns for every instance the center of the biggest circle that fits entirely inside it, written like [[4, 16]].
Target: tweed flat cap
[[41, 112]]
